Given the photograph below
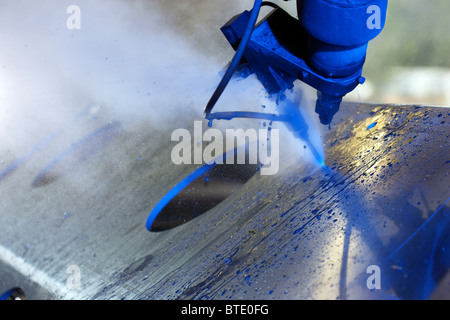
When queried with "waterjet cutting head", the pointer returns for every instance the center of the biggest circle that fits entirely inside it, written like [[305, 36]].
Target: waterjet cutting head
[[325, 47]]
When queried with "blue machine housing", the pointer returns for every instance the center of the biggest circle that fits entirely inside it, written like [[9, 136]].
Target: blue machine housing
[[325, 48]]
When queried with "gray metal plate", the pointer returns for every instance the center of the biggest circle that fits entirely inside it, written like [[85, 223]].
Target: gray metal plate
[[82, 197]]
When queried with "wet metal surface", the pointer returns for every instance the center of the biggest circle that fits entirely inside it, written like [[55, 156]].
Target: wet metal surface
[[205, 188], [381, 203]]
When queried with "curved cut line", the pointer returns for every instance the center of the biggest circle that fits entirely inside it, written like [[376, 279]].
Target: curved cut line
[[175, 191]]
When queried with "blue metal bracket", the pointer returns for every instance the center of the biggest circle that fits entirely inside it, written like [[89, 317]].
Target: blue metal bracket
[[277, 54], [282, 50]]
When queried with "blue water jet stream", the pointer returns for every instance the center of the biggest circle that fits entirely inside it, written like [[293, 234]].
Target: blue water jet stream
[[291, 116], [228, 75]]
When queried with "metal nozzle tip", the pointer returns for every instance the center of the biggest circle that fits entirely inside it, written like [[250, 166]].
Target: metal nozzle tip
[[327, 106]]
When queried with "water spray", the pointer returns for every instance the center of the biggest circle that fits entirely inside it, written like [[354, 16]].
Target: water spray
[[325, 48]]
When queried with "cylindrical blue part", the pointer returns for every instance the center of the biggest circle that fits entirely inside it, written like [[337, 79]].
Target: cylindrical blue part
[[335, 61], [343, 22], [339, 32]]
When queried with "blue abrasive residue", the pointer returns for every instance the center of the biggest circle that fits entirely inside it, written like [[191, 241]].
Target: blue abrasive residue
[[43, 143], [72, 148], [371, 126]]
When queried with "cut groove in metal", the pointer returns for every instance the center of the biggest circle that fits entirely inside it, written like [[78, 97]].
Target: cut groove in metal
[[198, 193], [15, 293]]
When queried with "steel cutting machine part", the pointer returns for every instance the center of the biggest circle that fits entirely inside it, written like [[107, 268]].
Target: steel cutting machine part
[[325, 48]]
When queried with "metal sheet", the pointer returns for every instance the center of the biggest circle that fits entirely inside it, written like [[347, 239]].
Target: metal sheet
[[76, 205]]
